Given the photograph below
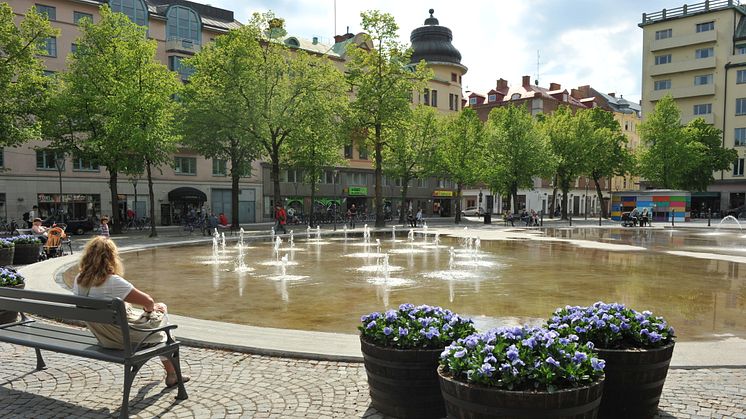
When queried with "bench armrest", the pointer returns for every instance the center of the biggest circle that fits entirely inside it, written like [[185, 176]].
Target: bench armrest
[[167, 329]]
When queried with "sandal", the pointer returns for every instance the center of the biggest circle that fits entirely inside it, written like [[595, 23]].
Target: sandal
[[175, 381]]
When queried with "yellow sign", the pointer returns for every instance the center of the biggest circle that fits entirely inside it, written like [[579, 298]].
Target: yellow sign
[[443, 194]]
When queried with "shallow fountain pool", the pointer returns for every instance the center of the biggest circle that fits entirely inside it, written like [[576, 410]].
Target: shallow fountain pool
[[510, 277]]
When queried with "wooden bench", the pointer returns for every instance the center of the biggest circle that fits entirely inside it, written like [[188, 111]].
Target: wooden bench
[[71, 341]]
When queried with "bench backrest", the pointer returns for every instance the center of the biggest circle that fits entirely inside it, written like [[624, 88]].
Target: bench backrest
[[68, 307]]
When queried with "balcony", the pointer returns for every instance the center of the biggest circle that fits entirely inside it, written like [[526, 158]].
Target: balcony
[[687, 10], [680, 67], [186, 46], [709, 118], [683, 40], [682, 92]]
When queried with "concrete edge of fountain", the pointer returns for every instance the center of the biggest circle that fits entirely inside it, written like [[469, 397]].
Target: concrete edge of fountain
[[46, 276]]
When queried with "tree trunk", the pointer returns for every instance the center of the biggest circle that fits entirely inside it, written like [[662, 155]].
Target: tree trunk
[[404, 191], [554, 199], [599, 192], [380, 222], [151, 198], [313, 199], [235, 178], [275, 174], [514, 196], [116, 224], [565, 196], [458, 202]]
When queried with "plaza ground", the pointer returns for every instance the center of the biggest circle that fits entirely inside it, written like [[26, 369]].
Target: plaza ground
[[242, 383]]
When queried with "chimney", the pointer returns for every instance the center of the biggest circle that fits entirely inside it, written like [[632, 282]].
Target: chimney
[[502, 84], [315, 40], [526, 81], [576, 94], [342, 38], [612, 94], [554, 86]]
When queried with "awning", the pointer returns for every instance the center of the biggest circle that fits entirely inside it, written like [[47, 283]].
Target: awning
[[187, 194]]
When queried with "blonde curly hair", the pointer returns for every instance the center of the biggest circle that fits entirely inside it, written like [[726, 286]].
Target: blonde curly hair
[[100, 259]]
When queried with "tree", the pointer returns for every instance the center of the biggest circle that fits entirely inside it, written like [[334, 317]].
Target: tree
[[22, 81], [460, 150], [703, 144], [116, 99], [570, 137], [515, 151], [383, 81], [609, 155], [660, 158], [411, 149], [213, 102]]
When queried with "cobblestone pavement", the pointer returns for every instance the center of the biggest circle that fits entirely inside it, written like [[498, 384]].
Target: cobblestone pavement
[[235, 385]]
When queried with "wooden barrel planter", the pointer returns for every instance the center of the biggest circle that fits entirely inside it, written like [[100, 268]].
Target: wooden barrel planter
[[468, 401], [6, 256], [26, 254], [403, 382], [10, 316], [634, 381]]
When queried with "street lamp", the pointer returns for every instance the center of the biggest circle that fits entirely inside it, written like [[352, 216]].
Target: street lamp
[[134, 185], [59, 163]]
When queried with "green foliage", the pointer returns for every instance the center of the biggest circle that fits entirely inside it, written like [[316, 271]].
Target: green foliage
[[383, 81], [460, 150], [22, 81], [681, 157], [515, 151]]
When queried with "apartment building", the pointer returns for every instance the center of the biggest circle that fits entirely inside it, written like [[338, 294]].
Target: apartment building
[[582, 199], [33, 176], [354, 183], [697, 54]]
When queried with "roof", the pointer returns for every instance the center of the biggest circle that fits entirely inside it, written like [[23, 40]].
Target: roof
[[688, 10], [212, 17]]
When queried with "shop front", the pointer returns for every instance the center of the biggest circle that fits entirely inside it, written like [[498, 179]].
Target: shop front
[[77, 206], [443, 202], [357, 195], [182, 202]]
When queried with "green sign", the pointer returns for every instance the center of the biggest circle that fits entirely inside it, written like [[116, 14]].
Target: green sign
[[357, 191]]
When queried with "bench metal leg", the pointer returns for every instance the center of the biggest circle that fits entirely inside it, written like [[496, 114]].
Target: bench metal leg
[[40, 365], [182, 394], [129, 376]]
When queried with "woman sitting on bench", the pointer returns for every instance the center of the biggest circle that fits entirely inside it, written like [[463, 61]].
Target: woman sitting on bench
[[100, 277]]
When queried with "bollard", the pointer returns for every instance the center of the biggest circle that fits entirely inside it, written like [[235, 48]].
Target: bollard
[[709, 216], [672, 217], [599, 219], [570, 217], [542, 218]]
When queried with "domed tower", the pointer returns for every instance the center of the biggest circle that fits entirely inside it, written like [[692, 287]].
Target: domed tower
[[432, 43]]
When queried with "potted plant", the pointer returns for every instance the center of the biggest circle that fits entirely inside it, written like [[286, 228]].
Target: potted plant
[[10, 278], [637, 348], [7, 249], [27, 249], [401, 349], [521, 372]]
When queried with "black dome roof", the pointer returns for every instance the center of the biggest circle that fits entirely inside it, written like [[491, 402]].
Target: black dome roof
[[432, 42]]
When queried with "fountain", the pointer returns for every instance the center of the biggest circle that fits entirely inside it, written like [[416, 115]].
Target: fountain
[[393, 233], [284, 265], [276, 247], [240, 262], [366, 234], [424, 232], [240, 236], [292, 242], [385, 269], [222, 241], [730, 217], [272, 234], [345, 230], [451, 254], [437, 239], [378, 246], [410, 236], [308, 233], [318, 234], [215, 250]]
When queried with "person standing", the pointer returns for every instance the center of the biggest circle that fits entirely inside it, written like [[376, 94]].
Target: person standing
[[352, 214], [34, 213], [105, 226], [418, 218], [281, 217]]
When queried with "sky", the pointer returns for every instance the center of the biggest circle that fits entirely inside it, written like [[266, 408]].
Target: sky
[[579, 42]]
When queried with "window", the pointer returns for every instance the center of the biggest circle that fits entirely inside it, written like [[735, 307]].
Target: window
[[48, 11], [704, 52], [175, 64], [472, 101], [663, 34], [704, 27], [741, 76], [47, 160], [741, 106], [185, 165], [738, 167], [2, 157], [662, 59], [434, 98], [703, 79], [134, 9], [740, 136], [515, 96], [363, 152], [491, 98], [348, 151], [426, 97], [291, 176], [77, 16], [703, 109], [183, 23], [454, 77], [81, 164], [662, 85], [456, 102], [740, 49], [49, 47], [218, 167], [450, 101]]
